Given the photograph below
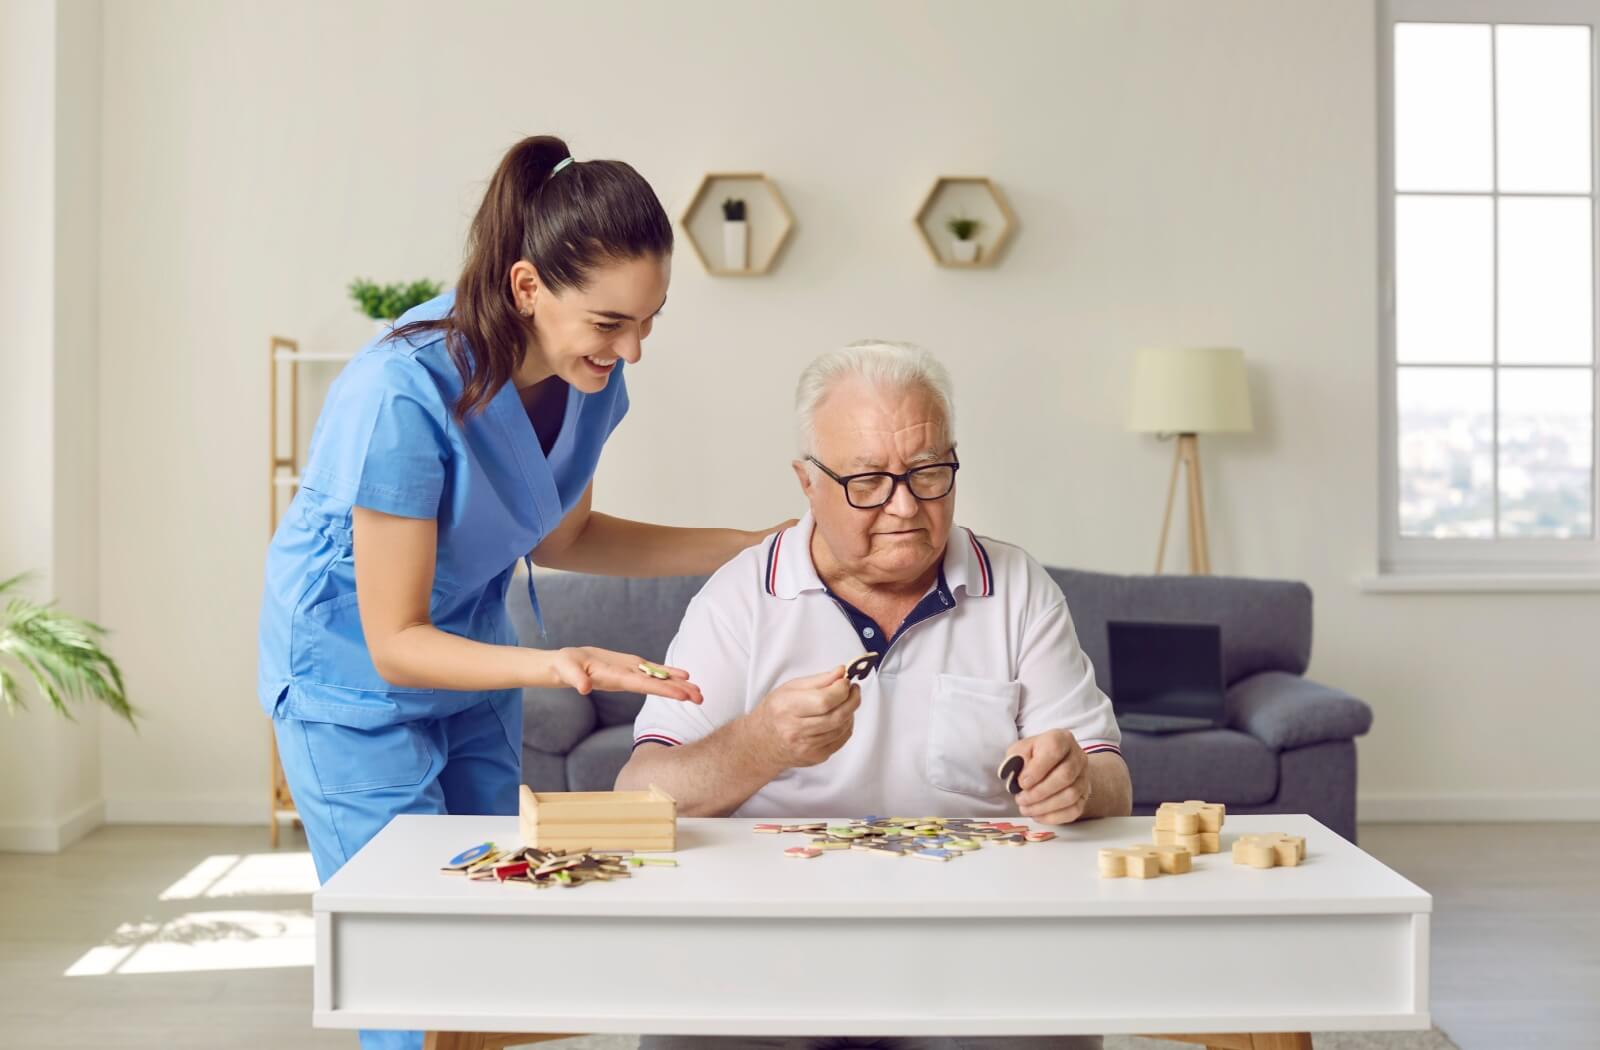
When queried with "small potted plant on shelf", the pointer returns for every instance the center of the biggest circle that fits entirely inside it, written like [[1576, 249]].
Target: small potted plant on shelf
[[60, 653], [735, 235], [385, 302], [964, 249]]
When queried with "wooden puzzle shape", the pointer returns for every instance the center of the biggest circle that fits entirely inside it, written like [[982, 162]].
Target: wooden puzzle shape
[[1273, 849], [1144, 862], [1194, 825]]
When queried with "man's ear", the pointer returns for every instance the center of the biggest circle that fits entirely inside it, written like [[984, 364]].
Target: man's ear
[[525, 287], [802, 470]]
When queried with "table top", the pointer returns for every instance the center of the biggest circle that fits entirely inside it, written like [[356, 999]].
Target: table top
[[725, 870]]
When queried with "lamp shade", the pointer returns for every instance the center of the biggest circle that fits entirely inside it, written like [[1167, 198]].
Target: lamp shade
[[1190, 391]]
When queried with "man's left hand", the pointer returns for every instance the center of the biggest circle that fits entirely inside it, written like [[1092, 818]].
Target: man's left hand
[[1055, 777]]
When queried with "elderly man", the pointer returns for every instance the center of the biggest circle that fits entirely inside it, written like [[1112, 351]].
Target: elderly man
[[978, 659]]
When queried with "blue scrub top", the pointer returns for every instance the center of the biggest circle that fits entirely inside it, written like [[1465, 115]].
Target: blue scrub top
[[386, 439]]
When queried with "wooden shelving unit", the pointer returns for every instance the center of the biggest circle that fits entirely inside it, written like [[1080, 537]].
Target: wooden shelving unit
[[771, 223], [283, 476], [973, 196]]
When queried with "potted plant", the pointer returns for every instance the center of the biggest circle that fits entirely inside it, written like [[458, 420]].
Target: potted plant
[[963, 249], [735, 235], [59, 652], [385, 302]]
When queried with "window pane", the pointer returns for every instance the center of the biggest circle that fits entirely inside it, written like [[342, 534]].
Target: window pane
[[1442, 107], [1546, 452], [1444, 279], [1546, 305], [1446, 441], [1542, 108]]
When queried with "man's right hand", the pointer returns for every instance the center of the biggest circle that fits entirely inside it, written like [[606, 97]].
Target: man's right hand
[[806, 720]]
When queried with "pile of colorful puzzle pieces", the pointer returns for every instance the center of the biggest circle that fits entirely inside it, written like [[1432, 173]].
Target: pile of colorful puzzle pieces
[[928, 838], [1185, 830], [545, 868]]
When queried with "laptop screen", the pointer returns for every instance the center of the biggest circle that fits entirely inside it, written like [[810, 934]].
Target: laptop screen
[[1166, 668]]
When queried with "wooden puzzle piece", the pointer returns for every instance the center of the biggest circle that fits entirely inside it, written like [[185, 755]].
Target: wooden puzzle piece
[[1191, 817], [1194, 825], [1273, 849], [1010, 773], [861, 666], [1138, 862], [1203, 842], [1144, 862]]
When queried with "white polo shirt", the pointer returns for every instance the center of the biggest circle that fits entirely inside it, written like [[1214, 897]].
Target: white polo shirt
[[988, 657]]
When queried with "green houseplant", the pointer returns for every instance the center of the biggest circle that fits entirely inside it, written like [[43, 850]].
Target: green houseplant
[[61, 653], [965, 249], [385, 302]]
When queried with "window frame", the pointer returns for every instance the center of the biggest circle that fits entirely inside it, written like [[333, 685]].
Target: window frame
[[1398, 554]]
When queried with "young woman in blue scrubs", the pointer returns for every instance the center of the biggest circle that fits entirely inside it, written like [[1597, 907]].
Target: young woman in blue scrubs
[[445, 453]]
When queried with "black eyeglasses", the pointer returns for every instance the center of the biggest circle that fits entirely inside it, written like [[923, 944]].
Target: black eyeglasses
[[872, 490]]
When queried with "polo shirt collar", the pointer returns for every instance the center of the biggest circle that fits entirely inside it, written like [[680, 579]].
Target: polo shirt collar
[[790, 571]]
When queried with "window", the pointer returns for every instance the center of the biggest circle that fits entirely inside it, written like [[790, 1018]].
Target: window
[[1489, 234]]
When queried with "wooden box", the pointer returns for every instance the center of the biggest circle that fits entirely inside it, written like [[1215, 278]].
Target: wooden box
[[642, 821]]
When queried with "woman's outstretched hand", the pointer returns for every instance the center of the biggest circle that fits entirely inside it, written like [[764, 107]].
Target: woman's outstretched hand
[[585, 668]]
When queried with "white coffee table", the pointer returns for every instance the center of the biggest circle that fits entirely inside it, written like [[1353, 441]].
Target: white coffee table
[[741, 940]]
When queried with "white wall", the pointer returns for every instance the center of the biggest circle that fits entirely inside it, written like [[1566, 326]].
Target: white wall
[[49, 294], [1184, 174]]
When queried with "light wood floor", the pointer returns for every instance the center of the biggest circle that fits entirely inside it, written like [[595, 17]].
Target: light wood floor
[[1516, 938]]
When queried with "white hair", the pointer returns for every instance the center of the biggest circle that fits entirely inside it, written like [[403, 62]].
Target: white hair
[[895, 366]]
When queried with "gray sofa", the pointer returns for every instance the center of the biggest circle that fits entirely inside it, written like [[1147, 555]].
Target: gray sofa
[[1289, 746]]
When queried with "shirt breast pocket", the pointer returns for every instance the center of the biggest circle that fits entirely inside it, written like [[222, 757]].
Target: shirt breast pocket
[[974, 721]]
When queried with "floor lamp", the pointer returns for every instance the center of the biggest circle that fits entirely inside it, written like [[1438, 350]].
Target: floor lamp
[[1183, 394]]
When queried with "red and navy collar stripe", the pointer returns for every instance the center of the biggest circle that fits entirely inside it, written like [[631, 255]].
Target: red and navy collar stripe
[[985, 568], [772, 562]]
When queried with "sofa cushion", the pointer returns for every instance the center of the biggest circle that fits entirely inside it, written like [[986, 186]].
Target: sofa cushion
[[632, 616], [1216, 765], [1266, 624], [1286, 711], [543, 771], [554, 720], [594, 764]]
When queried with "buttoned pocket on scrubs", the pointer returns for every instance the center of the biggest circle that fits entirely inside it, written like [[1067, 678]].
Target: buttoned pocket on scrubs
[[974, 721], [348, 759], [336, 650]]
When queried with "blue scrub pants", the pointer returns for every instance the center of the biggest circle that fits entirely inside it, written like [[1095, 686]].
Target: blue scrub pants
[[348, 783]]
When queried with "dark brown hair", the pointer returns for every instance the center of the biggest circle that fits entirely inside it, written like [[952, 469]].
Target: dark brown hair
[[587, 215]]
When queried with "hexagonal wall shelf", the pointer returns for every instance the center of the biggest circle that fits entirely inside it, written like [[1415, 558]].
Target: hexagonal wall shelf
[[970, 197], [741, 248]]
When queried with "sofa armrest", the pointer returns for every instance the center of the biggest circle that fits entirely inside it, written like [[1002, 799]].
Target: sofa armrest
[[556, 720], [1286, 711]]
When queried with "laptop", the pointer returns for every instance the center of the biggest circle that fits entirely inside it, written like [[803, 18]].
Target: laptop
[[1166, 677]]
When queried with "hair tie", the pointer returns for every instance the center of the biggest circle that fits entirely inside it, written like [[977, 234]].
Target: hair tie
[[555, 170]]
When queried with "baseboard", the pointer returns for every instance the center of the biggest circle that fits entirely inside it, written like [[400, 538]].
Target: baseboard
[[1478, 809], [240, 810], [52, 836]]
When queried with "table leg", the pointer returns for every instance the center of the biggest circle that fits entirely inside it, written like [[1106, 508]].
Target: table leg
[[483, 1040], [1244, 1040]]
